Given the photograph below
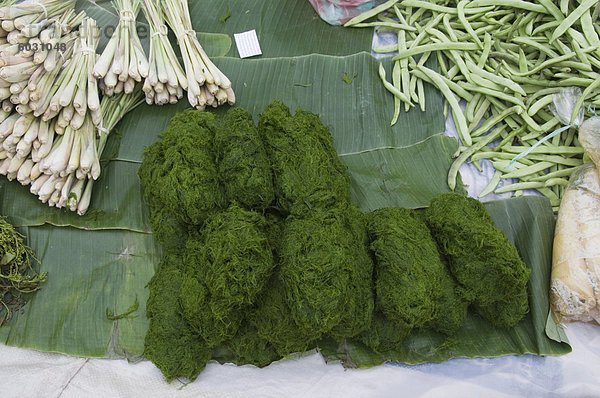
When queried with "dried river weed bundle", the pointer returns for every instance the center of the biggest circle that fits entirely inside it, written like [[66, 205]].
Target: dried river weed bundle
[[249, 347], [326, 271], [244, 167], [266, 258], [308, 172], [170, 343], [231, 262], [179, 173], [273, 320], [482, 259], [413, 287]]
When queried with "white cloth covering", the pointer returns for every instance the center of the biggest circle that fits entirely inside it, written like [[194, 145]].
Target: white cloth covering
[[27, 373]]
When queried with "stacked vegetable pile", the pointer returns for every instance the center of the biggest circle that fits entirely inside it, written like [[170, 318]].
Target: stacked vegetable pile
[[510, 61], [265, 256]]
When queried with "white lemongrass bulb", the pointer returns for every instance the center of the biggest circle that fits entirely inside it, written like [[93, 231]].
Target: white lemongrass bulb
[[76, 193], [66, 189], [77, 121], [43, 132], [24, 172], [61, 159], [4, 166], [37, 184], [15, 164], [23, 109], [33, 131], [47, 188], [22, 125], [6, 127], [16, 88], [84, 203], [35, 172], [8, 25], [54, 198], [73, 164]]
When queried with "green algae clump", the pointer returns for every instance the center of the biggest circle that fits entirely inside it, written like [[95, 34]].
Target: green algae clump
[[482, 259], [308, 174], [272, 318], [170, 343], [230, 262], [326, 271], [408, 270], [178, 172], [243, 165]]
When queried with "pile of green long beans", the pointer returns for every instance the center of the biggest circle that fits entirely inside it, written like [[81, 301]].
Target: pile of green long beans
[[507, 59]]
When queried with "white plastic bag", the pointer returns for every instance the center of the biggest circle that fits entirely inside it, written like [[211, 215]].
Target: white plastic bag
[[575, 280]]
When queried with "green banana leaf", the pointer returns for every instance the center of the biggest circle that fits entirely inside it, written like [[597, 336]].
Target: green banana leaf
[[105, 262], [89, 272], [358, 115]]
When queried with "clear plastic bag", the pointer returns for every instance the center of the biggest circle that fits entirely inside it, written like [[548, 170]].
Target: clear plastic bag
[[575, 280], [589, 138], [338, 12]]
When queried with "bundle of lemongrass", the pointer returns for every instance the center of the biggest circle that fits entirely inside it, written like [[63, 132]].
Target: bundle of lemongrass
[[33, 14], [166, 79], [55, 144], [123, 62], [25, 63], [207, 85]]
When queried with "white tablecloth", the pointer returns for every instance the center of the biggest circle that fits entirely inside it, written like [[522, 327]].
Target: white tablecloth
[[26, 373]]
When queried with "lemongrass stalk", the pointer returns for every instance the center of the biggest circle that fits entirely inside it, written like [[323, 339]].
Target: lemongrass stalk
[[7, 106], [3, 115], [47, 188], [9, 50], [35, 171], [4, 166], [16, 88], [6, 127], [84, 203], [75, 194], [73, 163], [46, 161], [22, 21], [24, 96], [43, 132], [66, 190], [15, 164], [25, 171], [37, 184], [61, 159], [23, 109], [46, 147], [15, 60], [8, 25], [104, 61], [77, 121], [32, 132], [5, 93]]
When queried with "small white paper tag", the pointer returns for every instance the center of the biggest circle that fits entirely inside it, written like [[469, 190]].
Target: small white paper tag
[[247, 44]]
